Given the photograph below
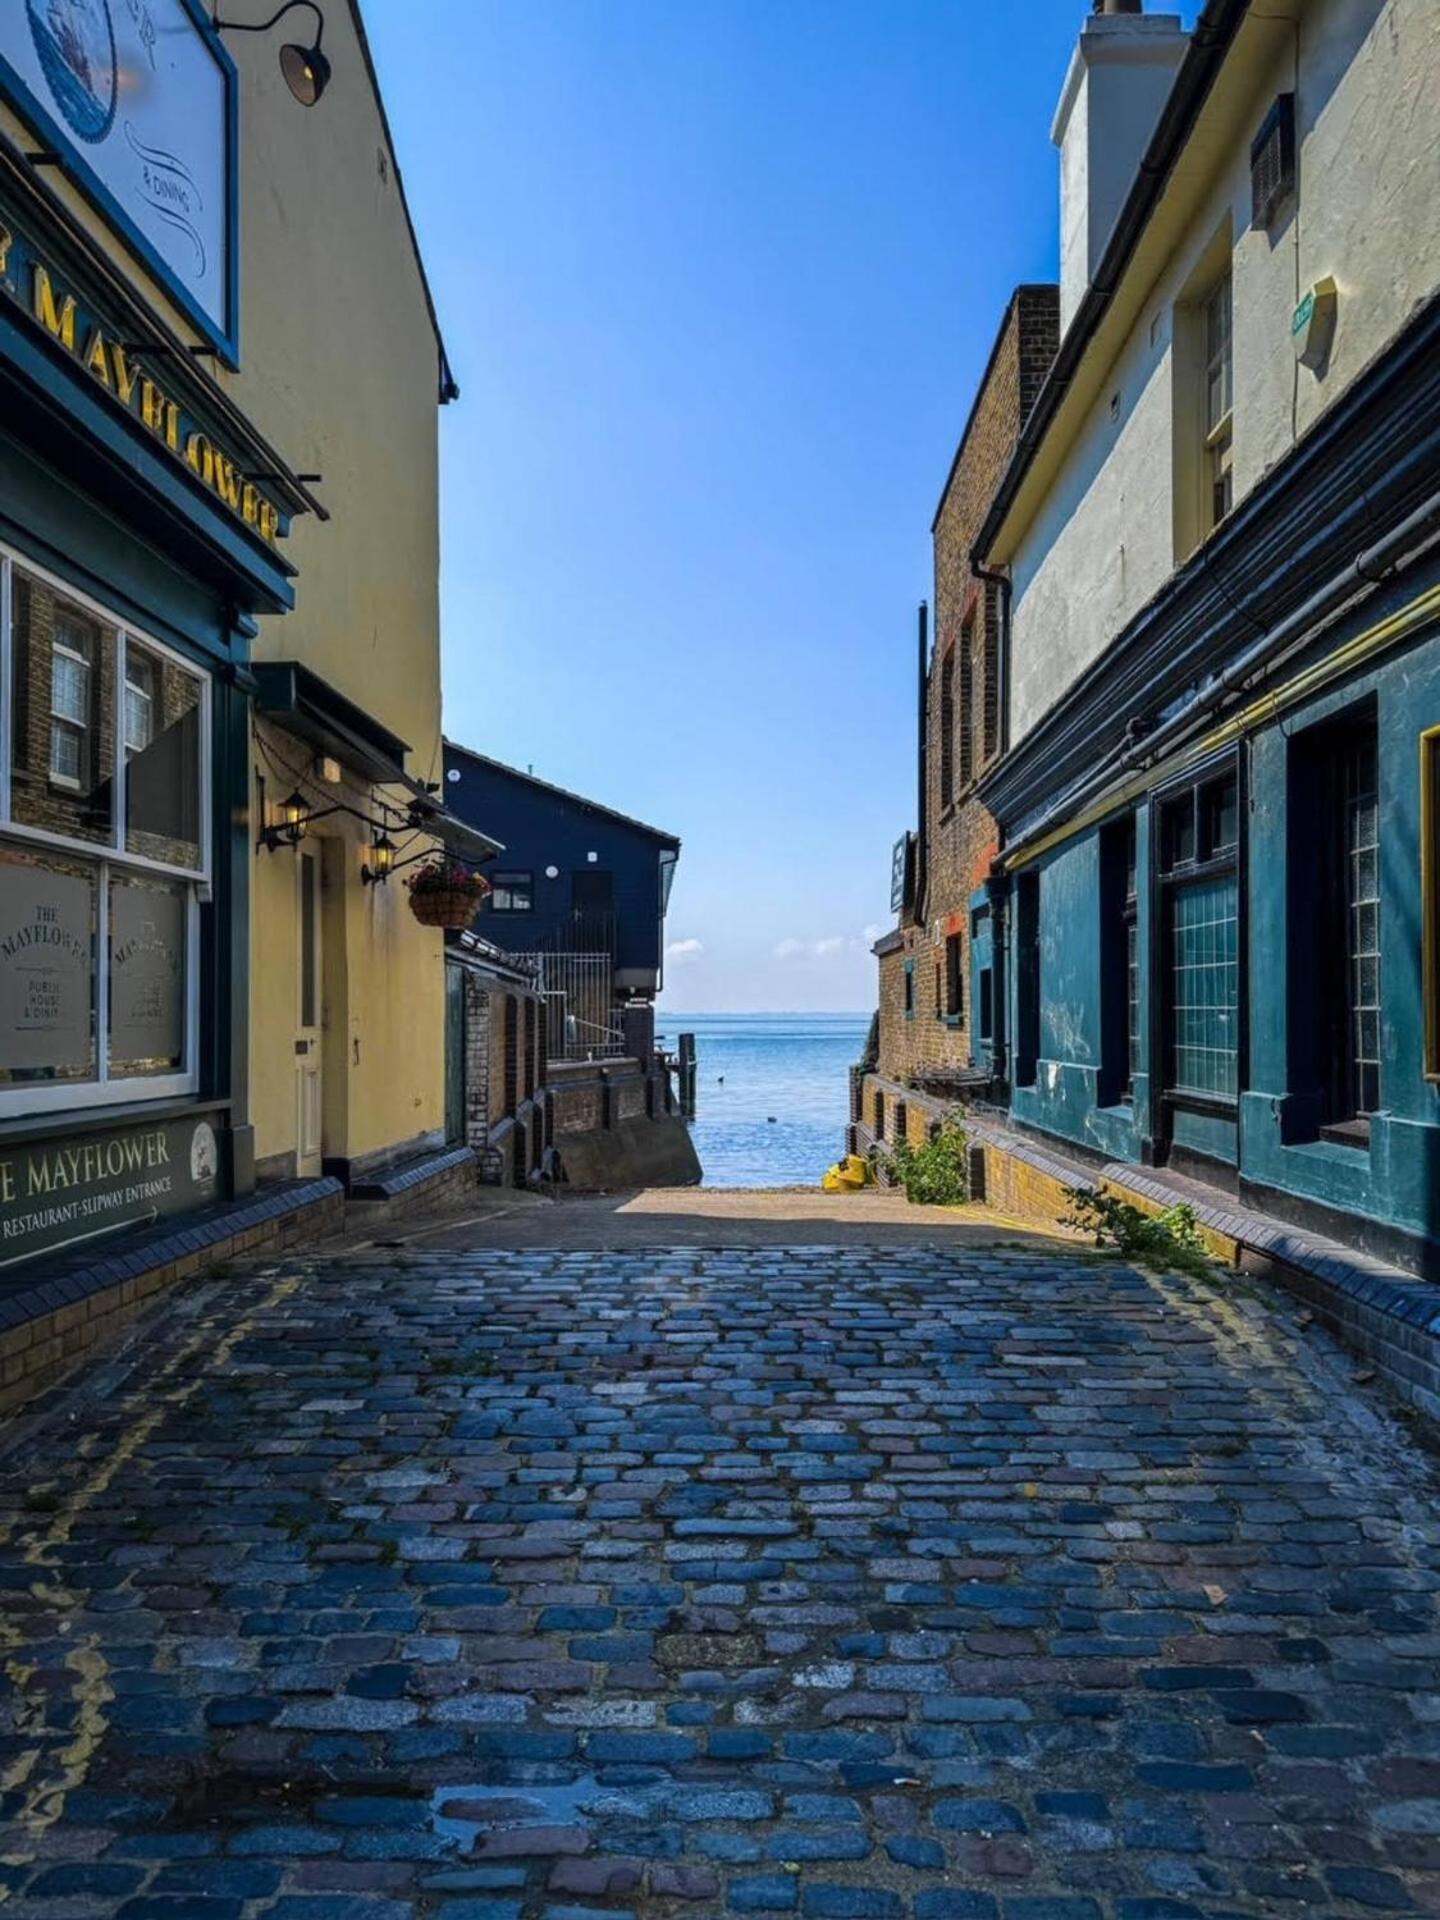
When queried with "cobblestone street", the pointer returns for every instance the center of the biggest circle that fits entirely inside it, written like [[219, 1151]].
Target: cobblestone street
[[859, 1585]]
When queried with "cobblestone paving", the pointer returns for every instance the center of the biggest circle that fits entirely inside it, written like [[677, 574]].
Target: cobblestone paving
[[849, 1585]]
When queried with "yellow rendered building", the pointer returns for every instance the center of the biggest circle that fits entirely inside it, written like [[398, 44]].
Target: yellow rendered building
[[346, 1005], [219, 623]]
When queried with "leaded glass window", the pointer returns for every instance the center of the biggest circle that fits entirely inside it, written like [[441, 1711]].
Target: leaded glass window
[[1204, 998], [139, 703], [1200, 831]]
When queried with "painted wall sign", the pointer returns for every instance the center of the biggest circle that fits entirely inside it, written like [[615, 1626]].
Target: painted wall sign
[[138, 99], [56, 1193], [32, 284]]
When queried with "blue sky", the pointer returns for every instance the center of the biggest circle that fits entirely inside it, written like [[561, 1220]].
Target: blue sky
[[717, 281]]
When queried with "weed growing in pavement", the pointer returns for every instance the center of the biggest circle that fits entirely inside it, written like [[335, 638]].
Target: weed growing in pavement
[[935, 1175], [1155, 1240]]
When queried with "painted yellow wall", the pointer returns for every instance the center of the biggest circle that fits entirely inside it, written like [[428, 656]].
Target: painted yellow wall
[[341, 371], [1098, 529]]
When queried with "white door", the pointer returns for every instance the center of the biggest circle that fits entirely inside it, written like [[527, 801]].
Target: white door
[[307, 1029]]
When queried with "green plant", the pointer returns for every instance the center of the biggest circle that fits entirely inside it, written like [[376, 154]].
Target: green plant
[[936, 1174], [1155, 1240], [447, 876]]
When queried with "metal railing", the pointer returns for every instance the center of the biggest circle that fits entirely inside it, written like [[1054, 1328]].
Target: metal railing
[[581, 1021]]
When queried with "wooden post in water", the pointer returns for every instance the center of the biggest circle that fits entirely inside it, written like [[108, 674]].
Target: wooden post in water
[[686, 1075]]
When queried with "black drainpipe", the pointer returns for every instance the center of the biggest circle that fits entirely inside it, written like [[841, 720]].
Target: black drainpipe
[[921, 875]]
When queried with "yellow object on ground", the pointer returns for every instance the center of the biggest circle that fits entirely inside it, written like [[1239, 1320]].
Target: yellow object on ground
[[850, 1175]]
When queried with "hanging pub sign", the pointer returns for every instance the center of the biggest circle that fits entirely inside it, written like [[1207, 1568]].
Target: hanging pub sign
[[77, 1192], [901, 868], [136, 98], [125, 375]]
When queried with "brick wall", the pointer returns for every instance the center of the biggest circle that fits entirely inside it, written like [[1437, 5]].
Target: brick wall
[[961, 839], [38, 1351], [477, 1062], [505, 1062], [907, 1113], [577, 1098], [41, 617]]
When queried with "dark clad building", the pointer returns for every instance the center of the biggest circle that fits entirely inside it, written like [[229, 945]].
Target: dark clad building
[[575, 878]]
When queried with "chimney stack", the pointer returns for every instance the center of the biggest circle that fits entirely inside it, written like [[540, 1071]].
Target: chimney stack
[[1120, 74]]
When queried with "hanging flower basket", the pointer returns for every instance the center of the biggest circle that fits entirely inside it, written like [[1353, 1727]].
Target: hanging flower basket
[[445, 894]]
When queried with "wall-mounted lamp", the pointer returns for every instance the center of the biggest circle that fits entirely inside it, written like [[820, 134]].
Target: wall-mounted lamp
[[381, 863], [306, 70], [295, 816], [294, 812]]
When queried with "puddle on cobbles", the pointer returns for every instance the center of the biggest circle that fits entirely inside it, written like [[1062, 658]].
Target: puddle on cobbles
[[459, 1813], [234, 1797]]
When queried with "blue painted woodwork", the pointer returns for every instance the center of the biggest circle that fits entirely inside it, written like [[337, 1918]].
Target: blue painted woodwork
[[1271, 1139], [1305, 547], [982, 980]]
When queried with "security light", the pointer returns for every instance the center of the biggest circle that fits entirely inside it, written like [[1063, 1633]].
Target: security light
[[306, 70]]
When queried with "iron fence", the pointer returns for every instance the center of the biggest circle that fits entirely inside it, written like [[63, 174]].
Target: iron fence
[[581, 1020]]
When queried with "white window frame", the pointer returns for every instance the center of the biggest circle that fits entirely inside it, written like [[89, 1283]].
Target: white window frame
[[502, 883], [35, 1097], [142, 692], [78, 729], [1218, 435]]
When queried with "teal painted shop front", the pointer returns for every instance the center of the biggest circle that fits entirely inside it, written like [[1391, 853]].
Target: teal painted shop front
[[1229, 974], [1219, 887], [135, 550]]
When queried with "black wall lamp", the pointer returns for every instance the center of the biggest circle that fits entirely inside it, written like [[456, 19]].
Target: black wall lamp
[[382, 854], [306, 70], [297, 816]]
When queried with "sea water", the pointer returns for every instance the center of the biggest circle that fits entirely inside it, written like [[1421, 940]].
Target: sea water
[[772, 1092]]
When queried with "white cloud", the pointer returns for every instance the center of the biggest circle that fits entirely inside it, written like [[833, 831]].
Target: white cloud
[[681, 953], [793, 949], [871, 934]]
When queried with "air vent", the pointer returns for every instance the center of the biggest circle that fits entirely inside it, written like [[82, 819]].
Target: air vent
[[1272, 161]]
